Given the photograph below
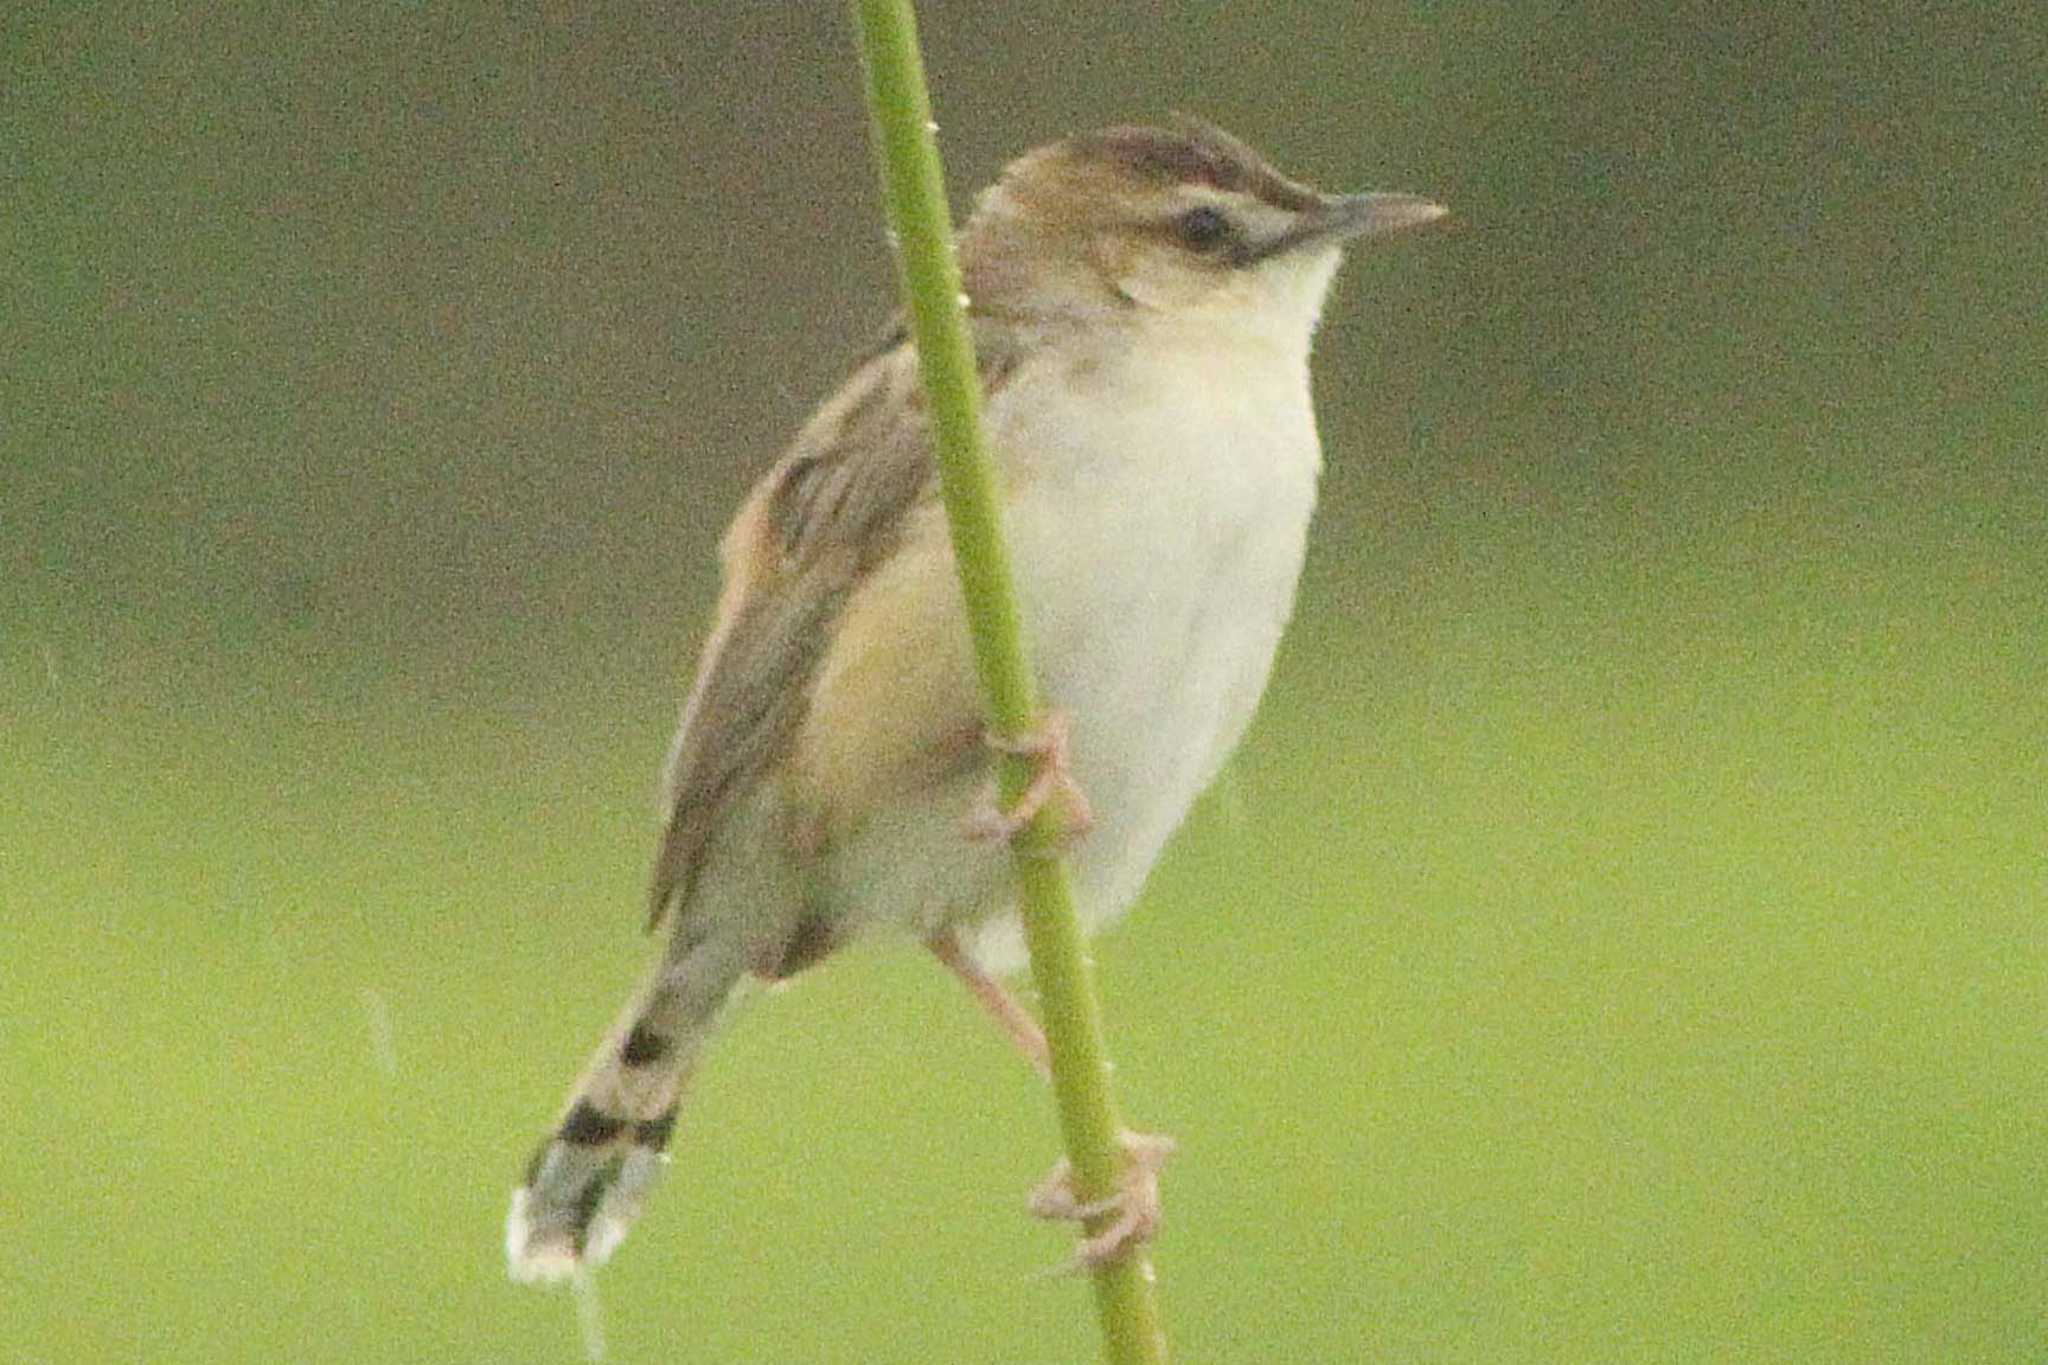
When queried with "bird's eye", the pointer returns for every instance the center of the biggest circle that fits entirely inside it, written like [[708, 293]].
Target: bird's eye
[[1204, 228]]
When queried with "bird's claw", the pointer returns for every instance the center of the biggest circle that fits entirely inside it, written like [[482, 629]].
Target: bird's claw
[[1135, 1206], [1049, 748]]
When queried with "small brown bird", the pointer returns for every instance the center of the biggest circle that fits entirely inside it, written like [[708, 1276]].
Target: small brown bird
[[1142, 302]]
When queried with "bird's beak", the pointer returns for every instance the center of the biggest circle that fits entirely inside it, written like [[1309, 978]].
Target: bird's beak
[[1373, 215], [1340, 217]]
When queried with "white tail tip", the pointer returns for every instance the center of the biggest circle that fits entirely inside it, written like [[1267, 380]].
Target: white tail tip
[[541, 1245]]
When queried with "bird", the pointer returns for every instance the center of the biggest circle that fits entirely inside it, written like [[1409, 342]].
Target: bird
[[1142, 302]]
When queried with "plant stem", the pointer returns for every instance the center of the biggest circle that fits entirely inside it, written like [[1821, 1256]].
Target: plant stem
[[914, 192]]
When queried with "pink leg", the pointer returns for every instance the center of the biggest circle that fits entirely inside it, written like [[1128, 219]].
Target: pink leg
[[1012, 1018], [1136, 1205]]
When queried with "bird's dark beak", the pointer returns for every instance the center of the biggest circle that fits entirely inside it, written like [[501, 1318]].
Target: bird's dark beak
[[1373, 215], [1340, 217]]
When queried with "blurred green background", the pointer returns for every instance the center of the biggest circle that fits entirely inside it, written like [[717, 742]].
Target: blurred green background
[[1621, 938]]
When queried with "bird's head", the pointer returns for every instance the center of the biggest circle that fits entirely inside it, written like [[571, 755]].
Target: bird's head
[[1188, 223]]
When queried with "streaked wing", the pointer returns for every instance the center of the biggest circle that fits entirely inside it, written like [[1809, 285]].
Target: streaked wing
[[813, 528]]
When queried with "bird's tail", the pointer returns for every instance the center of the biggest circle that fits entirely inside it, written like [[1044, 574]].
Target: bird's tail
[[587, 1182]]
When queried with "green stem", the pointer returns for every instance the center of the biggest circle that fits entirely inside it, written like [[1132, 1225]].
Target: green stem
[[914, 192]]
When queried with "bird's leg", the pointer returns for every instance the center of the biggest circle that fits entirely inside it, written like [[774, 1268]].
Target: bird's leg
[[1052, 772], [1136, 1204], [1011, 1017]]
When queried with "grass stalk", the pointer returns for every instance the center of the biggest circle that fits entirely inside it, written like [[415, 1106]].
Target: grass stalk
[[914, 193]]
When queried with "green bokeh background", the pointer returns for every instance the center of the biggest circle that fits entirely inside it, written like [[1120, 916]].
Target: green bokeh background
[[1622, 937]]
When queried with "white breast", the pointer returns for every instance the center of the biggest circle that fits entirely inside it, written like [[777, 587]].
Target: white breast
[[1160, 504], [1158, 481]]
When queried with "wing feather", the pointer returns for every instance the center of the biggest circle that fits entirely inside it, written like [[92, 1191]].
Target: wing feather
[[820, 521]]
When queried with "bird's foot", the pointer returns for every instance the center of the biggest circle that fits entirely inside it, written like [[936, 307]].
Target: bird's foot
[[1132, 1212], [1052, 774]]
